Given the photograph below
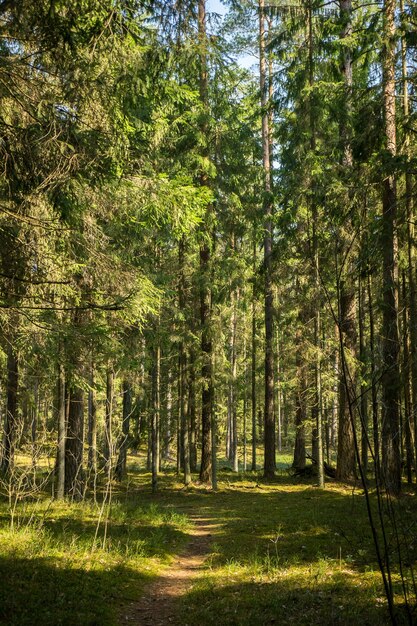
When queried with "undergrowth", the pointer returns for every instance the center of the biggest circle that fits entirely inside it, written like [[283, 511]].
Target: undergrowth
[[281, 552], [75, 564]]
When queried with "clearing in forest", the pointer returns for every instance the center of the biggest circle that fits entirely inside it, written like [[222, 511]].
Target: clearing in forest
[[280, 552]]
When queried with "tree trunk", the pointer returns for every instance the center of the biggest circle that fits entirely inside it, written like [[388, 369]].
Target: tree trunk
[[34, 421], [406, 387], [10, 424], [347, 296], [364, 393], [120, 471], [139, 413], [149, 420], [92, 428], [278, 393], [108, 436], [374, 393], [299, 461], [317, 438], [192, 417], [62, 432], [156, 374], [205, 277], [168, 434], [214, 437], [345, 446], [269, 421], [245, 400], [74, 445], [234, 296], [180, 456], [183, 401], [229, 431], [412, 292], [391, 461], [182, 370], [253, 362]]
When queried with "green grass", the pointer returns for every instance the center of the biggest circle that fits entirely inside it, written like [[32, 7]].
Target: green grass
[[64, 564], [284, 552], [289, 554]]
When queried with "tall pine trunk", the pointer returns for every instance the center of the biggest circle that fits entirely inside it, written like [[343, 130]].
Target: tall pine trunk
[[374, 392], [391, 461], [407, 430], [120, 471], [316, 413], [108, 435], [253, 362], [364, 392], [232, 382], [168, 413], [62, 430], [205, 276], [345, 446], [347, 295], [156, 375], [412, 292], [182, 373], [74, 444], [299, 461], [10, 423], [92, 427], [192, 415], [269, 421]]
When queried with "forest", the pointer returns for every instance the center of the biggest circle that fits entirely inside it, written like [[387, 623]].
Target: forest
[[208, 312]]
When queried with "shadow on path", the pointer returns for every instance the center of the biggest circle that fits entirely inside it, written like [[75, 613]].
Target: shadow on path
[[159, 604]]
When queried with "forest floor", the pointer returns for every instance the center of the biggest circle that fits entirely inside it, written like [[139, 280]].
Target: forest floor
[[159, 604], [282, 552]]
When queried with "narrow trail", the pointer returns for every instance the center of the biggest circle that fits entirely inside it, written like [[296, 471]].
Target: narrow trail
[[159, 604]]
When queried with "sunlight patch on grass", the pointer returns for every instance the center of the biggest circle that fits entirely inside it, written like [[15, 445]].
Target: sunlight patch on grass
[[83, 555]]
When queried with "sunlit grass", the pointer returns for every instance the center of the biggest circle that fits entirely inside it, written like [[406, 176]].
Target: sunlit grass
[[282, 552], [80, 563]]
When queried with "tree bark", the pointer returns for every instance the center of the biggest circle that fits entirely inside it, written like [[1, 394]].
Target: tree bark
[[10, 424], [269, 421], [364, 393], [391, 461], [183, 400], [34, 421], [347, 296], [156, 374], [406, 428], [120, 471], [62, 432], [92, 428], [345, 446], [317, 436], [299, 461], [412, 292], [374, 393], [232, 382], [168, 434], [108, 435], [182, 369], [253, 362], [192, 417], [245, 399], [278, 393], [205, 276], [74, 444]]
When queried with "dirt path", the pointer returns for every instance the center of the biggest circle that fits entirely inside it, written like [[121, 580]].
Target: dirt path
[[158, 606]]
